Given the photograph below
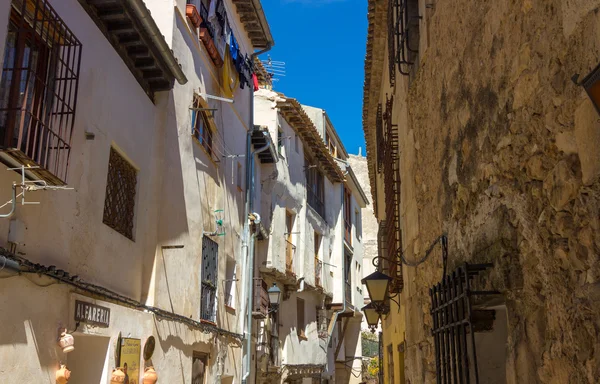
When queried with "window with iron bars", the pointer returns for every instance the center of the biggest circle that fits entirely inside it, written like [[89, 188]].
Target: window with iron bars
[[208, 299], [391, 40], [406, 21], [119, 202], [392, 197], [380, 139], [38, 89], [455, 324]]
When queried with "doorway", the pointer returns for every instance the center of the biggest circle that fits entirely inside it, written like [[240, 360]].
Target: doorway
[[89, 362]]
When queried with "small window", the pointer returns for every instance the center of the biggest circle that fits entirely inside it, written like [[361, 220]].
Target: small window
[[119, 202], [230, 283], [301, 325], [199, 367], [208, 300], [280, 139], [358, 224], [201, 128], [239, 176]]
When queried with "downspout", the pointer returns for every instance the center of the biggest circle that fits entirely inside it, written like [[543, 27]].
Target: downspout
[[338, 313], [247, 240], [158, 39]]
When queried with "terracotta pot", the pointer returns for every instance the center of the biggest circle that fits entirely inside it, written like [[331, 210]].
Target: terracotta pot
[[192, 12], [210, 46], [150, 376], [118, 376], [66, 342], [62, 375]]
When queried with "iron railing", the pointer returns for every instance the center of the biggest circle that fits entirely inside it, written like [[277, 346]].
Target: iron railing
[[38, 89], [392, 196], [316, 202], [406, 30], [453, 325]]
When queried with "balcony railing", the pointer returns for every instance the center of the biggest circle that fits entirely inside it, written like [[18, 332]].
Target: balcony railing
[[290, 250], [260, 307], [316, 203], [348, 232], [318, 272]]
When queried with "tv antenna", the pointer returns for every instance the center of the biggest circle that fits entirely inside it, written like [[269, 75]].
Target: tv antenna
[[26, 186], [275, 69], [219, 221]]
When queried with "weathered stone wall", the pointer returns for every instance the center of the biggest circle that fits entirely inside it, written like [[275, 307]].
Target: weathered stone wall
[[500, 150]]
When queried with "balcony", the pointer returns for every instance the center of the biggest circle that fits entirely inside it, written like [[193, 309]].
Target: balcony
[[290, 251], [318, 272], [260, 306], [316, 203]]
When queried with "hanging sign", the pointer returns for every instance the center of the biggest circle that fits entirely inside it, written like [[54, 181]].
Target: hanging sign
[[130, 359], [92, 314]]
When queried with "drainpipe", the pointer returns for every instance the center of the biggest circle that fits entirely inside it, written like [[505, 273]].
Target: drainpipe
[[13, 204], [11, 266], [247, 240], [158, 39], [338, 313]]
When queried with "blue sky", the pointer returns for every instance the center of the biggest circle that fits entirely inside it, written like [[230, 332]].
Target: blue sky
[[322, 43]]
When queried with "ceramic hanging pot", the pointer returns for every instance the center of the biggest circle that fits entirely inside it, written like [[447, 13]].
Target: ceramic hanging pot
[[62, 375], [150, 376], [118, 376], [66, 342]]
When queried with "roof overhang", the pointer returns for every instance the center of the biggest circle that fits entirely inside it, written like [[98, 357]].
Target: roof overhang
[[376, 40], [131, 30], [294, 114], [255, 23], [261, 137]]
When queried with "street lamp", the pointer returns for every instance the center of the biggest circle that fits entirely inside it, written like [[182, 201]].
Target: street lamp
[[372, 315], [377, 285], [274, 296]]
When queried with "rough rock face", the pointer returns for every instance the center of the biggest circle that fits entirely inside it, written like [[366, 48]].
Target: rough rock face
[[500, 150]]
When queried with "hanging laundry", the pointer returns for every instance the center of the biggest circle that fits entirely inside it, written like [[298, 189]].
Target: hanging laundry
[[255, 81], [212, 10], [230, 75]]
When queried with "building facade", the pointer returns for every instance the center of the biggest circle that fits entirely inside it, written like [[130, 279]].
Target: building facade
[[311, 206], [121, 113], [482, 129]]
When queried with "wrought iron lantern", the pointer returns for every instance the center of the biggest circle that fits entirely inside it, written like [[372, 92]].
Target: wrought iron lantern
[[274, 296], [372, 316], [377, 285]]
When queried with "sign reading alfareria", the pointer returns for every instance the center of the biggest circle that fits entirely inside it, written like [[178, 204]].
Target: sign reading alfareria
[[91, 313]]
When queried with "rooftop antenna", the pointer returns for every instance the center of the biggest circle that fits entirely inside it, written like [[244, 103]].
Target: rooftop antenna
[[26, 186], [219, 221], [275, 69]]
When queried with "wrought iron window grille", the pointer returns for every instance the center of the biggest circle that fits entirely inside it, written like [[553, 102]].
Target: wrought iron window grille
[[208, 294], [119, 203], [38, 89], [380, 140], [391, 42], [406, 30], [454, 325]]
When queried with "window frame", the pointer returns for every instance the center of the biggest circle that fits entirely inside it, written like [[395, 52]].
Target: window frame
[[203, 131]]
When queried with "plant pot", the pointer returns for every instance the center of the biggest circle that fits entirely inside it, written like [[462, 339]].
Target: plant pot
[[150, 376], [210, 46], [192, 12], [118, 376], [63, 375], [66, 342]]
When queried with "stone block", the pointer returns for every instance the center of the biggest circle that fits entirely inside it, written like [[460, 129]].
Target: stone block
[[587, 136]]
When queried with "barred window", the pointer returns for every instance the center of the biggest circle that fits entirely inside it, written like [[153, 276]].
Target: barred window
[[38, 89], [208, 300], [119, 202]]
